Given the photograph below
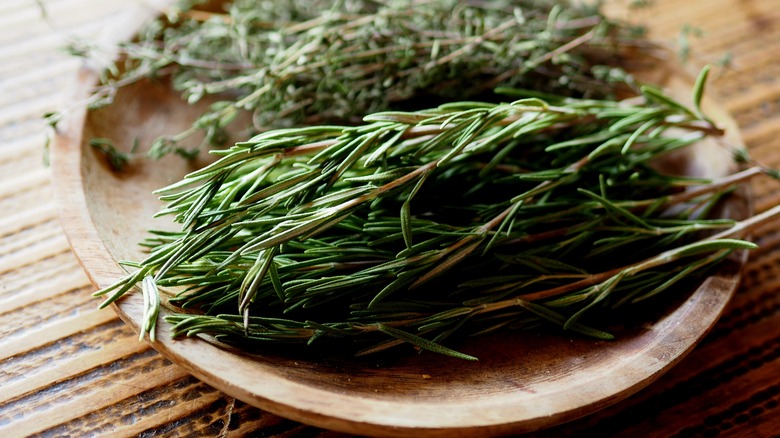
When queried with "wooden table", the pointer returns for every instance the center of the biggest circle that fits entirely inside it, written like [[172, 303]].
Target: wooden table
[[67, 369]]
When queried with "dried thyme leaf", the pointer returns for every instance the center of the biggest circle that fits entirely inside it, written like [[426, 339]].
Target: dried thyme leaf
[[289, 62]]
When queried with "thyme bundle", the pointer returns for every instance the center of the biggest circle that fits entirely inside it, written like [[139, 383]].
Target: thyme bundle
[[414, 226], [290, 62]]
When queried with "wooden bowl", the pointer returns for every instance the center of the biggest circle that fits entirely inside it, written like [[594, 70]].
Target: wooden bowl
[[523, 381]]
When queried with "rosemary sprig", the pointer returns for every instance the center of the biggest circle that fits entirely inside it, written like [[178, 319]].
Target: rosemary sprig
[[293, 61], [461, 219]]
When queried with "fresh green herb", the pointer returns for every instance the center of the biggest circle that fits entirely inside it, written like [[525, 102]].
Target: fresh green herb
[[416, 226], [726, 60], [289, 62], [684, 41], [413, 226], [116, 158]]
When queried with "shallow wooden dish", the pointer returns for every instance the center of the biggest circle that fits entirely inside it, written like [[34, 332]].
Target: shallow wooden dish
[[523, 382]]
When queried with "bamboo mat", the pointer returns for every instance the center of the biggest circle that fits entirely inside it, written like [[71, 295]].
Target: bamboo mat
[[67, 369]]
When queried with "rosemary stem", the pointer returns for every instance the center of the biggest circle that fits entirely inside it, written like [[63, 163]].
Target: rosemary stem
[[739, 229], [719, 184], [745, 226]]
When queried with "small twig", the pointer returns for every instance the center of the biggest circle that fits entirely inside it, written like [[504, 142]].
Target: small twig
[[228, 416]]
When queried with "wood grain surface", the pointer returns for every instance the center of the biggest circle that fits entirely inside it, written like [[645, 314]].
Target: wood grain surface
[[67, 369]]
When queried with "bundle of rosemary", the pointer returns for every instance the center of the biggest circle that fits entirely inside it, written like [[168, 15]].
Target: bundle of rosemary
[[299, 61], [469, 217], [411, 226]]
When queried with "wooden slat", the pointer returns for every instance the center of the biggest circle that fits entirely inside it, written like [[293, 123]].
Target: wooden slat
[[26, 320], [49, 269], [30, 255], [52, 333], [34, 215], [31, 235], [24, 181], [29, 109], [20, 148], [44, 290], [70, 367], [169, 404], [47, 413], [47, 359]]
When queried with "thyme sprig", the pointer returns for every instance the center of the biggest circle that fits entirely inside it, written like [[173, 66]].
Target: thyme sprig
[[324, 61], [414, 226]]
